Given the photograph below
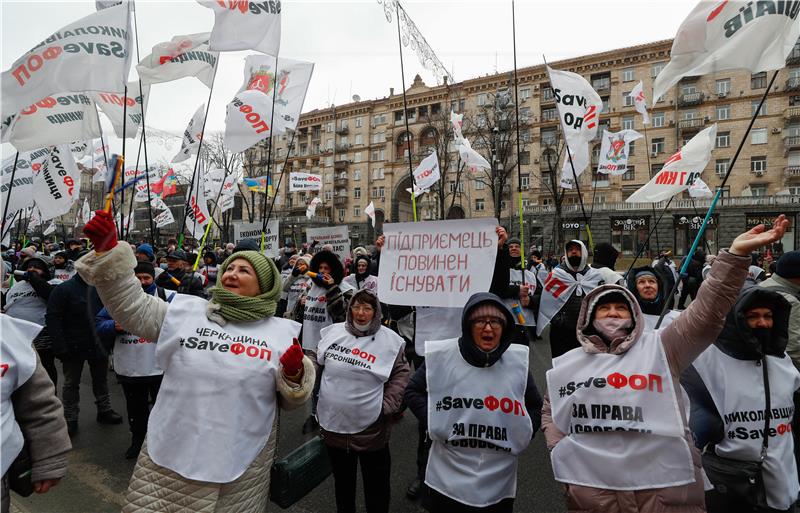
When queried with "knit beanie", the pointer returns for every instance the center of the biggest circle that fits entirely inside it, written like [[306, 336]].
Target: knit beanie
[[514, 240], [643, 273], [484, 310], [360, 250], [789, 265], [145, 267], [228, 306]]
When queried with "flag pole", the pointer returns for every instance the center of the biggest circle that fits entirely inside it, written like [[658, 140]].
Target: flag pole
[[210, 221], [144, 138], [405, 115], [122, 197], [277, 187], [650, 174], [694, 207], [519, 151], [135, 180], [269, 151], [8, 196], [653, 230], [701, 231]]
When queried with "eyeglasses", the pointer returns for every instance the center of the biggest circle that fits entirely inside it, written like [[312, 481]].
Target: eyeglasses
[[481, 323], [362, 308]]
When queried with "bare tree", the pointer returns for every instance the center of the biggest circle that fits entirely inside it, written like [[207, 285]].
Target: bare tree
[[550, 179], [217, 155]]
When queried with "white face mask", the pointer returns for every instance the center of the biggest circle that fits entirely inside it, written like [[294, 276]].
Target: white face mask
[[612, 328], [361, 327]]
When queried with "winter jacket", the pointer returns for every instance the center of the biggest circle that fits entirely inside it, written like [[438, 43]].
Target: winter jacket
[[791, 292], [105, 325], [648, 307], [683, 340], [193, 285], [70, 320], [152, 487], [416, 394]]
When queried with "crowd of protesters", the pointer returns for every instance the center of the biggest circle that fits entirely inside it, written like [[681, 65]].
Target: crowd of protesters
[[704, 420]]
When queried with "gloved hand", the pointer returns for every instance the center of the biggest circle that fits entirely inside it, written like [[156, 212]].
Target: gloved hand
[[101, 231], [292, 360], [319, 280], [295, 271]]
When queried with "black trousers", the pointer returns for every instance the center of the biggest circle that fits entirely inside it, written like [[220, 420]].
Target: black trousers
[[438, 503], [48, 360], [375, 474], [731, 503], [140, 395], [423, 444]]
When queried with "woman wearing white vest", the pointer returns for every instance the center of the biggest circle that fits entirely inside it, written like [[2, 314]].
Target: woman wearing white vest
[[613, 415], [362, 389], [29, 411], [728, 385], [481, 407], [228, 365]]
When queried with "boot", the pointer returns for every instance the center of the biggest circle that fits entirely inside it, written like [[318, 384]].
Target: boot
[[109, 417], [133, 451]]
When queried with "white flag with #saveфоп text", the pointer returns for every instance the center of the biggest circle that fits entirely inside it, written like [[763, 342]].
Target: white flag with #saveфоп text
[[723, 35], [58, 119], [56, 185], [427, 173], [192, 135], [680, 171], [182, 56], [119, 107], [245, 25]]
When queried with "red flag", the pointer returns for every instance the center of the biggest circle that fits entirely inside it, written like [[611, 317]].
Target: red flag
[[166, 186]]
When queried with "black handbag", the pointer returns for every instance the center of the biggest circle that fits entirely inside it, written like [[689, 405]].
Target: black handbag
[[299, 472], [19, 473], [742, 479]]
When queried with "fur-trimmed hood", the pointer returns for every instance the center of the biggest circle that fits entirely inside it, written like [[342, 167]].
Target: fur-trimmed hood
[[588, 337]]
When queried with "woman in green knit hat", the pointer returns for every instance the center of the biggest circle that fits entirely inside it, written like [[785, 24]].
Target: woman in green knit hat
[[228, 364]]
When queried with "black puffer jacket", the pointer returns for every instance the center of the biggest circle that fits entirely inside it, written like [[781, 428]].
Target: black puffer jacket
[[416, 395], [71, 310], [336, 300]]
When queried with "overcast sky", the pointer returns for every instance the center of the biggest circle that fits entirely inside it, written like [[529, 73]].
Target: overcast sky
[[355, 49]]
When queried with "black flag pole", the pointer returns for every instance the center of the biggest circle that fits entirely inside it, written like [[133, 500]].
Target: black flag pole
[[650, 174], [701, 231], [122, 171], [269, 155], [653, 230], [405, 115], [144, 138], [135, 180], [523, 267], [8, 196], [277, 187]]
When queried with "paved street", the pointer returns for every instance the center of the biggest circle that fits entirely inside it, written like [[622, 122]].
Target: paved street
[[98, 474]]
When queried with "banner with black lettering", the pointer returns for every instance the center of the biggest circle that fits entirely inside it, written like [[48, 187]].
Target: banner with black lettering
[[164, 218], [58, 119], [91, 54], [22, 189], [182, 56], [336, 236], [245, 25], [197, 216], [243, 231], [114, 107], [57, 184], [304, 182], [439, 263]]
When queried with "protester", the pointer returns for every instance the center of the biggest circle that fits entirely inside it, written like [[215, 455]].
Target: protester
[[289, 250], [647, 286], [295, 287], [756, 273], [361, 277], [135, 362], [472, 469], [33, 420], [209, 272], [361, 391], [188, 283], [605, 261], [63, 269], [732, 377], [286, 272], [520, 293], [613, 414], [213, 430], [691, 281], [74, 249]]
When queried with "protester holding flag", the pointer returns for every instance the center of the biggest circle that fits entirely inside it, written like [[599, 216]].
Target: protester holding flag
[[473, 469], [202, 406], [519, 294], [606, 460], [358, 403], [747, 370]]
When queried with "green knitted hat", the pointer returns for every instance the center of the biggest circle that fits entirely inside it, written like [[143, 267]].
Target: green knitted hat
[[233, 307], [265, 268]]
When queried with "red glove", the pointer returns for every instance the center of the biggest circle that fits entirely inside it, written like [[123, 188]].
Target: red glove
[[292, 359], [101, 231]]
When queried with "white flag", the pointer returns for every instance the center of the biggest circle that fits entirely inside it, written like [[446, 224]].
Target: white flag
[[614, 151], [99, 165], [699, 189], [457, 120], [312, 207], [86, 212], [242, 25], [158, 203], [640, 102], [164, 218], [214, 181], [28, 163], [680, 171], [80, 150], [35, 219], [427, 173], [559, 286], [192, 135], [417, 191], [370, 211], [227, 202], [182, 56], [50, 229], [304, 182], [293, 78], [246, 120], [718, 36], [197, 216], [57, 119], [113, 106], [57, 184], [105, 4], [91, 54], [471, 158]]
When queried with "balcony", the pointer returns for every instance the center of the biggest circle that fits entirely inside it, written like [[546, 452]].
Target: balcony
[[341, 164], [691, 125], [340, 181], [340, 148], [547, 99], [792, 113], [791, 171], [676, 204], [791, 143], [340, 201], [793, 84], [794, 57], [342, 131], [690, 99], [303, 220]]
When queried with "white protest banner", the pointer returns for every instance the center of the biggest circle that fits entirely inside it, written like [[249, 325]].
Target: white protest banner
[[80, 150], [99, 166], [293, 78], [114, 107], [158, 204], [311, 209], [680, 171], [427, 173], [164, 218], [57, 184], [57, 119], [718, 36], [614, 151], [197, 217], [50, 229], [91, 54], [182, 56], [22, 188], [304, 182], [213, 182], [471, 158], [438, 263], [245, 25], [243, 231], [227, 202], [246, 118], [336, 236], [640, 102], [370, 212], [192, 135]]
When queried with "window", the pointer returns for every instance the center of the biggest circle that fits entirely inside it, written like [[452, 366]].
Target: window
[[436, 108], [480, 120], [357, 193], [377, 173], [627, 99], [628, 75], [525, 182], [794, 190], [480, 205], [758, 190], [689, 114], [549, 137], [479, 185], [344, 124], [482, 99], [758, 165], [627, 123], [328, 196], [423, 111], [329, 143], [657, 145], [524, 93], [344, 141], [606, 104], [723, 140], [451, 186], [379, 119], [658, 119], [378, 192], [525, 136], [656, 68], [328, 161], [524, 158], [342, 213], [398, 116], [758, 136], [357, 156], [754, 107], [357, 174], [457, 105], [723, 86], [359, 122], [359, 139], [688, 89], [723, 112], [721, 167], [374, 154], [631, 148], [758, 80], [547, 93], [655, 168], [549, 114], [524, 114], [629, 175], [329, 178]]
